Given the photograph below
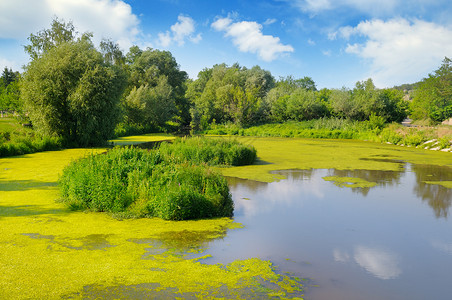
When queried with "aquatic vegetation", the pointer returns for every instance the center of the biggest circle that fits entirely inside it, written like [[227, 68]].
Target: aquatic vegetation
[[210, 151], [48, 251], [139, 183], [296, 153], [139, 139], [350, 182]]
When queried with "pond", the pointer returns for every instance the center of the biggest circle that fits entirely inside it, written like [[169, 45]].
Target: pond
[[346, 220], [353, 234]]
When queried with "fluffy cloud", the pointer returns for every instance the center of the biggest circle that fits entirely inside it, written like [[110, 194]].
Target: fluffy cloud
[[248, 37], [105, 18], [399, 51], [182, 30]]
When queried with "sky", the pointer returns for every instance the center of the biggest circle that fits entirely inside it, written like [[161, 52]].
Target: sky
[[335, 42]]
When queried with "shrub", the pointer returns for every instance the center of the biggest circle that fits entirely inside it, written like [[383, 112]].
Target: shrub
[[172, 183], [210, 151]]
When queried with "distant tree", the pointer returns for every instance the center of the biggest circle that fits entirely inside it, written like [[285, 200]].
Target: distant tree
[[229, 94], [69, 89], [303, 104], [151, 105], [148, 68], [9, 91], [394, 107], [8, 76], [433, 96], [306, 83], [112, 53]]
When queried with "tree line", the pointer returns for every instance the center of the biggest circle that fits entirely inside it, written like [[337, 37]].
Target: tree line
[[83, 93]]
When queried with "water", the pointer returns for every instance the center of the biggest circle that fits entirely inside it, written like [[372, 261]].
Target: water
[[392, 240]]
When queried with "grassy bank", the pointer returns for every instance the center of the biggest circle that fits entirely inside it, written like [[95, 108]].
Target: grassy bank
[[374, 130], [18, 140]]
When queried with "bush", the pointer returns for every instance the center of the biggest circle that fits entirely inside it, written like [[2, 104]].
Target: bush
[[172, 183], [18, 144], [210, 151]]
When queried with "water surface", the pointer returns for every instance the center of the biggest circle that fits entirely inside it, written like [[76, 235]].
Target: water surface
[[387, 235]]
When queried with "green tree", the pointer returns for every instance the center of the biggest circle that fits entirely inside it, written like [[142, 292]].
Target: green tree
[[59, 33], [433, 95], [147, 68], [229, 94], [71, 92], [303, 104], [151, 105], [8, 76]]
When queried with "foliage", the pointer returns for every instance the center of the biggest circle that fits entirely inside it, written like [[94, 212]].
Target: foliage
[[47, 39], [225, 94], [209, 151], [158, 71], [14, 143], [144, 183], [9, 91], [433, 95], [71, 93], [153, 106]]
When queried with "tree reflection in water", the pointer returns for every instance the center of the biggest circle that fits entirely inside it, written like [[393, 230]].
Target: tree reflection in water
[[437, 196]]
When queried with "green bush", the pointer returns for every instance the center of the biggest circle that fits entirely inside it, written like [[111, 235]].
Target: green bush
[[15, 144], [210, 151], [172, 183]]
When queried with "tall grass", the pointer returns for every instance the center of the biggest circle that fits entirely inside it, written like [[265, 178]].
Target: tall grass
[[210, 151], [172, 183], [13, 143], [331, 128]]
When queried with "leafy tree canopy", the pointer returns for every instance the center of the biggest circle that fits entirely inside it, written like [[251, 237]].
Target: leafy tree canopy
[[69, 89], [433, 96]]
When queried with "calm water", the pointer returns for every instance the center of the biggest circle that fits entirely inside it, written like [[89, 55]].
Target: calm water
[[390, 241]]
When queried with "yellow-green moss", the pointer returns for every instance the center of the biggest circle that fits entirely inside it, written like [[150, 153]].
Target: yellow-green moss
[[295, 153], [350, 182], [49, 252], [446, 184], [138, 139]]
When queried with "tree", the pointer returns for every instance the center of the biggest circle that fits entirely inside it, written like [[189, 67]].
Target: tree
[[112, 53], [229, 94], [60, 32], [147, 68], [151, 105], [71, 92], [433, 95], [303, 104], [8, 76]]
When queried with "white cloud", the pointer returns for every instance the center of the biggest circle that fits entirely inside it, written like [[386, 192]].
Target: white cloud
[[248, 37], [182, 30], [270, 21], [311, 42], [400, 51], [111, 19], [381, 263]]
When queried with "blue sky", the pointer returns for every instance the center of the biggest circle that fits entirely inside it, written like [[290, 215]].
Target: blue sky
[[335, 42]]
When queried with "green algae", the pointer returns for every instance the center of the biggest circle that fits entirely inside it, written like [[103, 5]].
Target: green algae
[[296, 153], [446, 184], [139, 139], [48, 251], [350, 182]]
